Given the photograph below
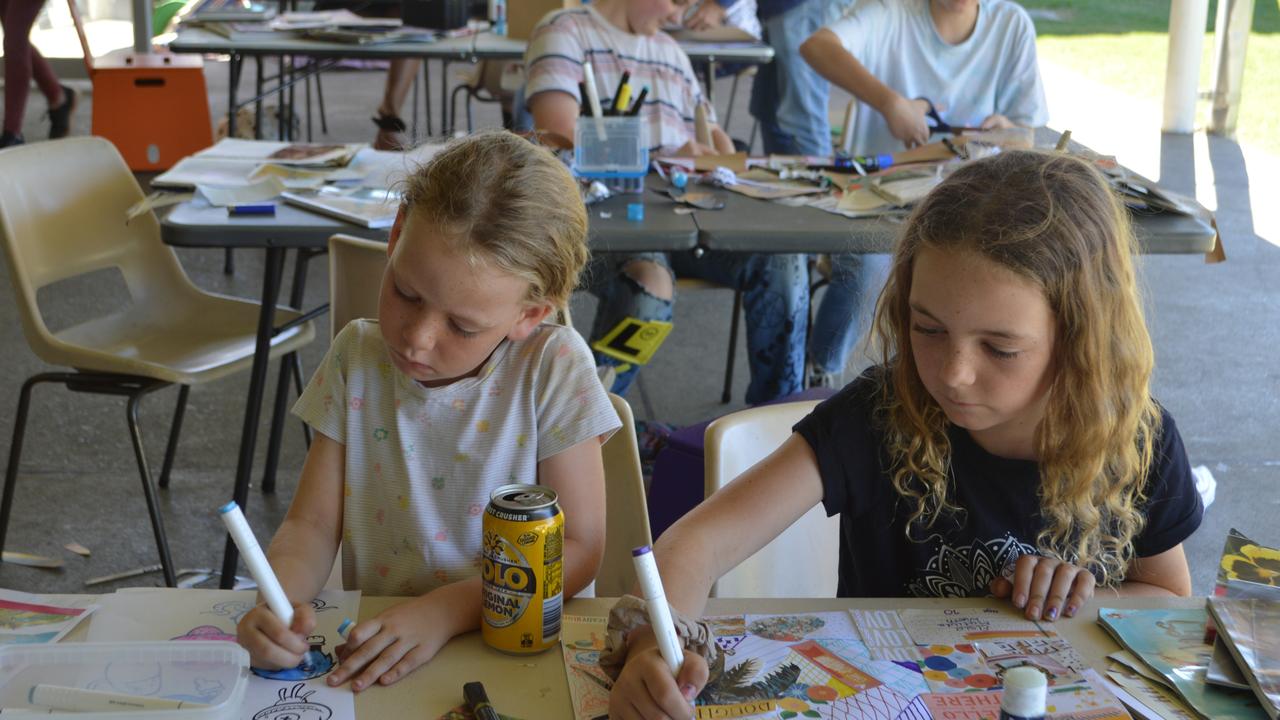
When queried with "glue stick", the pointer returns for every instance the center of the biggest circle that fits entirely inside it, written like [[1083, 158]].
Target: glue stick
[[1024, 698]]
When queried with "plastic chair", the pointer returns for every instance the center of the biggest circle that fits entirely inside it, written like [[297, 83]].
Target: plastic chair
[[62, 216], [626, 518], [804, 560]]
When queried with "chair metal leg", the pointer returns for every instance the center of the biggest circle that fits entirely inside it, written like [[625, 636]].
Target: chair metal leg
[[281, 408], [324, 122], [157, 522], [175, 429], [15, 453], [733, 347]]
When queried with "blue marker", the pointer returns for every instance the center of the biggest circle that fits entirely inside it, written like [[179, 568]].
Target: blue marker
[[344, 629], [252, 209]]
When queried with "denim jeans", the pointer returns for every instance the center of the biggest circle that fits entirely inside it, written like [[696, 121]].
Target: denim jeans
[[788, 97], [849, 301], [775, 300]]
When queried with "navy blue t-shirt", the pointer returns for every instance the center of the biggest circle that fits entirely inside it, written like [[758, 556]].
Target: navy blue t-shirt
[[962, 552]]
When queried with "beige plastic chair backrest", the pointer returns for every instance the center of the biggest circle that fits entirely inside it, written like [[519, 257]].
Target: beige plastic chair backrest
[[804, 560], [626, 514], [355, 276], [356, 267], [62, 215]]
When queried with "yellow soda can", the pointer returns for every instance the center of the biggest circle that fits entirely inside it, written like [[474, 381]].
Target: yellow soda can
[[522, 571]]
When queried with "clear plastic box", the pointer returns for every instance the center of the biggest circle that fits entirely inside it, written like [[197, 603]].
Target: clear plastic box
[[214, 674], [620, 159]]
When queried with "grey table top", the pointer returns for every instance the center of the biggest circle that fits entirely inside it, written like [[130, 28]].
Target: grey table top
[[480, 45], [747, 225], [197, 224]]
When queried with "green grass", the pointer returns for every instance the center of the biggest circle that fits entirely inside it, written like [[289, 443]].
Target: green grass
[[1123, 44]]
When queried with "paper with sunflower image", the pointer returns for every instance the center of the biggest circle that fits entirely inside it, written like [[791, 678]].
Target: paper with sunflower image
[[1244, 560], [1247, 570]]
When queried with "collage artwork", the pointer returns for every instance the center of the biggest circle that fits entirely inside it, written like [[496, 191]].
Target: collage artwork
[[943, 664]]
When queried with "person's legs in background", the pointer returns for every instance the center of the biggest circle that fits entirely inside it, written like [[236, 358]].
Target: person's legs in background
[[391, 128], [775, 301], [788, 97], [640, 286], [22, 62], [846, 307]]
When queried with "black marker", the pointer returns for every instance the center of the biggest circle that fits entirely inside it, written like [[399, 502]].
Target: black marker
[[478, 701], [582, 102], [639, 101]]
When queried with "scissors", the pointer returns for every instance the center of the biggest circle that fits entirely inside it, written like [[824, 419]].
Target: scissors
[[942, 126]]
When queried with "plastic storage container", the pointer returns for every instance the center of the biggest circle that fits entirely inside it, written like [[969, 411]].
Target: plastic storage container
[[214, 674], [620, 159]]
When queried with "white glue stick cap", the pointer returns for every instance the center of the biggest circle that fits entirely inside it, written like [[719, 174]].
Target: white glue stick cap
[[1025, 691]]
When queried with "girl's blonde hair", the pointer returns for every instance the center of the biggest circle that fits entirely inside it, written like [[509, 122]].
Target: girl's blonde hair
[[1053, 220], [509, 202]]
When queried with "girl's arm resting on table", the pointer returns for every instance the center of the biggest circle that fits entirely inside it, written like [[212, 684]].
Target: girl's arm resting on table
[[1163, 574], [301, 554], [405, 636], [735, 522]]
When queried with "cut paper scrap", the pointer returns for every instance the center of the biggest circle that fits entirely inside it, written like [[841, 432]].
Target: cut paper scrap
[[885, 636], [29, 560], [180, 615], [1165, 704], [26, 618], [77, 548], [951, 626], [1052, 655], [262, 189]]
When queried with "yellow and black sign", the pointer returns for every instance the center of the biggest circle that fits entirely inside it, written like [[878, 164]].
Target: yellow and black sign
[[634, 340]]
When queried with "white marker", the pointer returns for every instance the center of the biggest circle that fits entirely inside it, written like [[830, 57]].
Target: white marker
[[259, 568], [659, 612], [72, 699], [593, 99]]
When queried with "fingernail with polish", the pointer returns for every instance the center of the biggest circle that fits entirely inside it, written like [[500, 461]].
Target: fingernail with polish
[[689, 692], [1070, 611], [1052, 614]]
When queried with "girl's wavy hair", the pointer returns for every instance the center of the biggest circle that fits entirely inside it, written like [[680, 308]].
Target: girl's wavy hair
[[1053, 220], [506, 201]]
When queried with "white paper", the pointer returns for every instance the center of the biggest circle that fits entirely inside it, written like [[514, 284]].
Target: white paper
[[267, 188], [166, 614]]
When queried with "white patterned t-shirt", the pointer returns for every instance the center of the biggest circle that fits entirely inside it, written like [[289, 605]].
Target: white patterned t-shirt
[[421, 462]]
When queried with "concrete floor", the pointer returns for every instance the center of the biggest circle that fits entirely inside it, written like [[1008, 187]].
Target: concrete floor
[[1216, 330]]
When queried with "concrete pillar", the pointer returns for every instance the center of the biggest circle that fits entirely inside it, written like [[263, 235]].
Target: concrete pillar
[[1231, 34], [1187, 20]]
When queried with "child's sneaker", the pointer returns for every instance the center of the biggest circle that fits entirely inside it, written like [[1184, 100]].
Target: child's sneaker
[[60, 117]]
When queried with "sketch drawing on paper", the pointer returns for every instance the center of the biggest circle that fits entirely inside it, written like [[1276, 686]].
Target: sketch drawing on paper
[[130, 678], [315, 662], [206, 632], [295, 703]]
